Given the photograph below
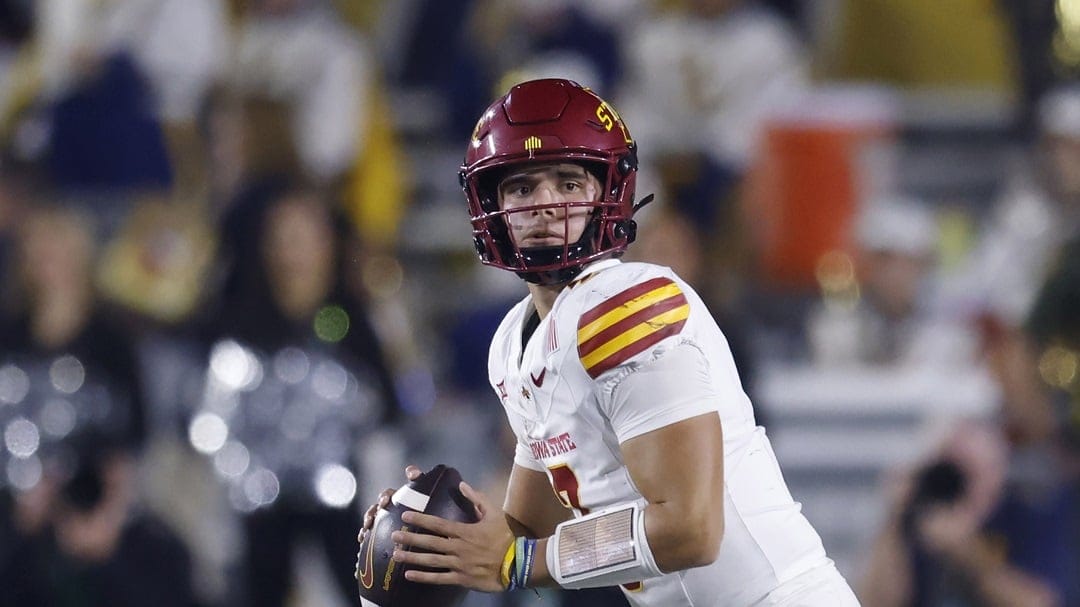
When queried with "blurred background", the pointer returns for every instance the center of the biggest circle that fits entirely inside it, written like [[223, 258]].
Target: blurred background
[[238, 291]]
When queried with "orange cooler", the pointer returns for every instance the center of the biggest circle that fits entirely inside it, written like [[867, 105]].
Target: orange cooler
[[816, 163]]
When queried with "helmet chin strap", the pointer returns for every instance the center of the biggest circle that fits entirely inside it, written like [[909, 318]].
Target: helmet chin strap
[[644, 201], [550, 255], [552, 277]]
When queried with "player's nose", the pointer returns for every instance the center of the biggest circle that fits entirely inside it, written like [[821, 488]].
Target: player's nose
[[544, 194], [547, 194]]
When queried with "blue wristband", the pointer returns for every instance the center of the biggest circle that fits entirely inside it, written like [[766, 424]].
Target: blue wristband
[[524, 557]]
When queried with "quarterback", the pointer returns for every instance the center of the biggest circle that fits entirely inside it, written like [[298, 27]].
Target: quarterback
[[638, 461]]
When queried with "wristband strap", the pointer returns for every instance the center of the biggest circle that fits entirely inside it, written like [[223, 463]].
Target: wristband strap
[[518, 563], [525, 556], [508, 565]]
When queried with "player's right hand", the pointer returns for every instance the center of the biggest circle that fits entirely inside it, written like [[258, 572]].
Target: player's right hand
[[412, 473]]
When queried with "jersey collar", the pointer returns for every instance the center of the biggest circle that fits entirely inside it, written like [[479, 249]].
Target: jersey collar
[[593, 268]]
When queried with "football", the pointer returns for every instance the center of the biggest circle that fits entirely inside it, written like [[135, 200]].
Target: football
[[381, 580]]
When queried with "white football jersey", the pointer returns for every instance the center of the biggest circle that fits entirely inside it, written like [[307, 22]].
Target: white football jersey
[[560, 392]]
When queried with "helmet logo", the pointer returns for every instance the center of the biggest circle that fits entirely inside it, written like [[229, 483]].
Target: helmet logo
[[533, 143], [484, 120], [608, 117]]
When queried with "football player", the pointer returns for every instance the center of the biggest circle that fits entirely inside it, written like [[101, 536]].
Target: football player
[[638, 461]]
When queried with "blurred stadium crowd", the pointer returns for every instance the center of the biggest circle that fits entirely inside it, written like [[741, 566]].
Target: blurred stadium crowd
[[238, 291]]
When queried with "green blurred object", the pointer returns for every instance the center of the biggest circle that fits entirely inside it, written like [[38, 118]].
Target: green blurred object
[[331, 323]]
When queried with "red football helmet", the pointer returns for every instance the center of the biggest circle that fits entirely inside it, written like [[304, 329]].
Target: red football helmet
[[551, 120]]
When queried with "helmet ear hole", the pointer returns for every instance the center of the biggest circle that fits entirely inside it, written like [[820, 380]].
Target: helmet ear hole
[[625, 229], [487, 186]]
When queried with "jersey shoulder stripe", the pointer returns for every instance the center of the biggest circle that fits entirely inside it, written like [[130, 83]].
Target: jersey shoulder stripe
[[629, 322]]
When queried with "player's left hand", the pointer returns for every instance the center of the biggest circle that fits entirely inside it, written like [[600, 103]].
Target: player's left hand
[[472, 554]]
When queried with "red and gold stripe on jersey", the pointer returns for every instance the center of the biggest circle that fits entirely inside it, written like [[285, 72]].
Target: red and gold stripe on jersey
[[629, 323]]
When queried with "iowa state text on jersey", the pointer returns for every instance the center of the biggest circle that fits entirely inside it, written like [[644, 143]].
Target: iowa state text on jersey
[[550, 447]]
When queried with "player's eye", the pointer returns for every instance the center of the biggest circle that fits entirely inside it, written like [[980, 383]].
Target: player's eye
[[517, 189]]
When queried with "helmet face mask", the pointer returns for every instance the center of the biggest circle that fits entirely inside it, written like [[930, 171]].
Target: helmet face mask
[[550, 122]]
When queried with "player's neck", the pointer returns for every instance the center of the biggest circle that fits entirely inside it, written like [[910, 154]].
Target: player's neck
[[543, 297]]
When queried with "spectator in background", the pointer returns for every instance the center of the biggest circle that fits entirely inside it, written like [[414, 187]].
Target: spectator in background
[[875, 308], [183, 49], [1022, 543], [1038, 210], [98, 549], [1023, 242], [298, 377], [177, 50], [140, 69], [1054, 325], [1054, 328], [701, 77], [157, 275], [561, 39], [313, 109], [430, 54], [73, 420], [465, 49], [58, 325], [957, 535], [1038, 364], [297, 61]]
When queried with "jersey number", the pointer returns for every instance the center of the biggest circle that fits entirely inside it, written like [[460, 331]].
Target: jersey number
[[566, 486]]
